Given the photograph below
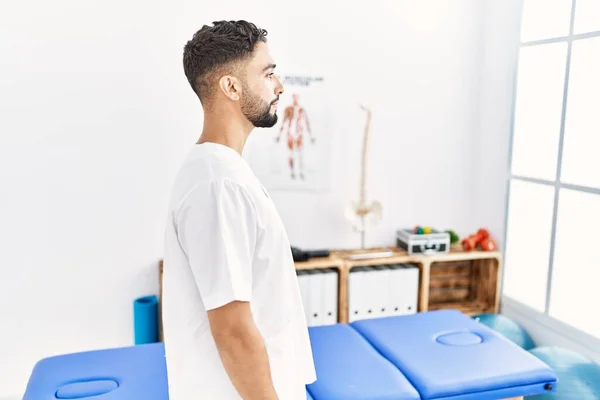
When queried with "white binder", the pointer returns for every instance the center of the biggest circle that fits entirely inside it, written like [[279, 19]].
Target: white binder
[[395, 288], [330, 297], [381, 294], [355, 288], [316, 294], [402, 289], [372, 295], [368, 293], [303, 283], [411, 279], [406, 288]]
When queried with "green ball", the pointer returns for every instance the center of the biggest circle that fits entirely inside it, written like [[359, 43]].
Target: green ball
[[420, 231], [454, 238]]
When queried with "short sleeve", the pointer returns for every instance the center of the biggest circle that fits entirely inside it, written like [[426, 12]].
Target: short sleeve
[[217, 227]]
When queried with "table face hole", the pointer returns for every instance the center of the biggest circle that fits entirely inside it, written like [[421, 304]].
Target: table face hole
[[85, 389], [459, 339]]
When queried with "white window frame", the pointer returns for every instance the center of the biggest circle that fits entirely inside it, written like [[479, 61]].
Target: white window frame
[[556, 331]]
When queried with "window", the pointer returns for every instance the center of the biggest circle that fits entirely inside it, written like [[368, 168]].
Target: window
[[553, 208]]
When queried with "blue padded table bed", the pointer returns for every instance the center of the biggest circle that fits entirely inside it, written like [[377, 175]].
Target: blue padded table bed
[[124, 373], [445, 355], [134, 372], [441, 355]]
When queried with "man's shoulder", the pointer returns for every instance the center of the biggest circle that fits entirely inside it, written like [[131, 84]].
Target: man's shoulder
[[209, 178], [219, 187], [209, 171]]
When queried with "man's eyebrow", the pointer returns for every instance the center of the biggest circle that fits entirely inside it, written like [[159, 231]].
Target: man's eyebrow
[[270, 66]]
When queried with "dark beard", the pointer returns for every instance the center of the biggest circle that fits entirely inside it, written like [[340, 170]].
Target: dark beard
[[264, 120], [257, 111]]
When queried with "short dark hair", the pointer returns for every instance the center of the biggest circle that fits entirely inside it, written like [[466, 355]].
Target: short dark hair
[[215, 47]]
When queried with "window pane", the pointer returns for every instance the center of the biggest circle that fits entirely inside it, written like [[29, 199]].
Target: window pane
[[539, 97], [581, 151], [576, 270], [587, 16], [528, 243], [545, 19]]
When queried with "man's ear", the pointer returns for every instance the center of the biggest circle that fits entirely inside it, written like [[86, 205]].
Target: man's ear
[[231, 87]]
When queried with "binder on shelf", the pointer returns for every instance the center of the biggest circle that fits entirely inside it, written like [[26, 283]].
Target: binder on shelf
[[398, 290], [355, 289], [391, 303], [368, 294], [319, 292], [316, 296], [376, 272], [382, 291], [364, 294], [330, 298], [411, 274], [405, 289], [303, 284]]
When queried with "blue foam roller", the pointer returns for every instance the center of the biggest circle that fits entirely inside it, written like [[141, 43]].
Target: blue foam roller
[[145, 315], [508, 328], [578, 375]]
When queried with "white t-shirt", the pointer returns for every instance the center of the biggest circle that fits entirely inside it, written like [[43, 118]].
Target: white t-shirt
[[224, 241]]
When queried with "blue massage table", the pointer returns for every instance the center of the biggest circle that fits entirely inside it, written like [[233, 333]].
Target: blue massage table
[[441, 355], [445, 355], [134, 372]]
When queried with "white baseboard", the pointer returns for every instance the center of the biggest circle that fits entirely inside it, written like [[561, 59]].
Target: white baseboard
[[547, 331]]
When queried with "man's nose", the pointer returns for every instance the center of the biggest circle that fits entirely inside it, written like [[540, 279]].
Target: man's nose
[[279, 88]]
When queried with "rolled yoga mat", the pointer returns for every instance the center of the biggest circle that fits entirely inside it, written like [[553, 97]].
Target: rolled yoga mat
[[145, 319]]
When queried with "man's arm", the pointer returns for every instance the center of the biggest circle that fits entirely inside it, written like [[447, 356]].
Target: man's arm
[[217, 227], [242, 351]]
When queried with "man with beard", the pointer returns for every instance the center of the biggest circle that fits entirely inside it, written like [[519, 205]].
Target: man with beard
[[233, 319]]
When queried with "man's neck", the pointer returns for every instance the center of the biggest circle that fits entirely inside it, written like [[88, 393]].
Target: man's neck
[[228, 132]]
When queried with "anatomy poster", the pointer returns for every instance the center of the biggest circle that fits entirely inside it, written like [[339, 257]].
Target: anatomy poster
[[295, 153]]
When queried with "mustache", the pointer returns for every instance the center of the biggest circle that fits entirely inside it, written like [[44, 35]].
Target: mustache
[[275, 101]]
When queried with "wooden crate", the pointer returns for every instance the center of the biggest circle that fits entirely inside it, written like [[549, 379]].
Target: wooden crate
[[466, 281], [471, 286]]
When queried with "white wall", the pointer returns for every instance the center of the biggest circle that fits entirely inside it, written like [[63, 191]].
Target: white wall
[[97, 114], [419, 70], [85, 120], [492, 142]]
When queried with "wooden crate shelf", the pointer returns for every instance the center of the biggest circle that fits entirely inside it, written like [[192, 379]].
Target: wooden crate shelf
[[464, 280], [467, 285], [461, 280]]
